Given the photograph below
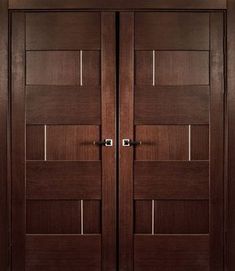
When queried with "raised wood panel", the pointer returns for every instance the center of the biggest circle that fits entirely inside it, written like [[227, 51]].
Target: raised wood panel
[[91, 216], [200, 142], [162, 142], [67, 142], [63, 31], [181, 217], [171, 252], [172, 31], [53, 217], [143, 216], [53, 68], [35, 142], [91, 73], [63, 105], [118, 4], [171, 180], [63, 253], [171, 104], [182, 68], [143, 67], [63, 180]]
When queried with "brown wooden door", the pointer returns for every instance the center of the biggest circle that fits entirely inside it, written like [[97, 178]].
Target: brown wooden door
[[63, 99], [171, 100]]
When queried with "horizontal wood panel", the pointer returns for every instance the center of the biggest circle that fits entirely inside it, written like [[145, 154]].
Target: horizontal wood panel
[[118, 4], [181, 216], [53, 68], [73, 142], [171, 180], [171, 105], [174, 68], [63, 253], [62, 105], [172, 31], [171, 252], [35, 142], [63, 180], [63, 31], [53, 217], [162, 142]]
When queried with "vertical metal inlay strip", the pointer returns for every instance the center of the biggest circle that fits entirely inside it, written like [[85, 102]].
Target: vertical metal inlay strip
[[82, 218], [81, 68], [189, 142], [154, 68], [153, 216], [45, 142]]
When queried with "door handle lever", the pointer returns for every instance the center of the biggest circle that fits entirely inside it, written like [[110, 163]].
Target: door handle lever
[[129, 142], [105, 142]]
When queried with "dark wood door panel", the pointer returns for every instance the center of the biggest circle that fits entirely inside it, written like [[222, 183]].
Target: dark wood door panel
[[63, 253], [63, 180], [171, 252], [63, 31], [63, 105], [171, 180], [171, 31]]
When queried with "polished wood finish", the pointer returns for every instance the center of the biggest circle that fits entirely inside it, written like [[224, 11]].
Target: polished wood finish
[[230, 142], [4, 154], [108, 101], [55, 217], [63, 180], [187, 31], [143, 216], [92, 216], [171, 180], [118, 4], [166, 142], [18, 142], [63, 252], [126, 130], [171, 104], [181, 217], [80, 31], [72, 142], [200, 142], [35, 142], [43, 103], [216, 142], [165, 252]]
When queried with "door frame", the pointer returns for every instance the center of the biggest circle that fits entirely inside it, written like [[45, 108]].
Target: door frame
[[5, 137]]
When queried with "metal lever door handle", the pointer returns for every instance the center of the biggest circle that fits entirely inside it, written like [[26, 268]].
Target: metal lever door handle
[[129, 142], [105, 142]]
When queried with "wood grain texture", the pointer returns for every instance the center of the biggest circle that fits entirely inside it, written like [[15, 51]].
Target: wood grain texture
[[171, 180], [35, 142], [53, 68], [63, 31], [166, 142], [18, 142], [217, 142], [108, 130], [171, 31], [200, 142], [63, 253], [126, 120], [118, 4], [172, 104], [171, 252], [182, 68], [4, 199], [73, 142], [181, 217], [63, 180], [63, 105], [53, 217], [92, 216], [143, 216], [230, 129], [144, 68], [91, 72]]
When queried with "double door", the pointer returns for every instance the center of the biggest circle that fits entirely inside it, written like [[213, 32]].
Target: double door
[[117, 141]]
